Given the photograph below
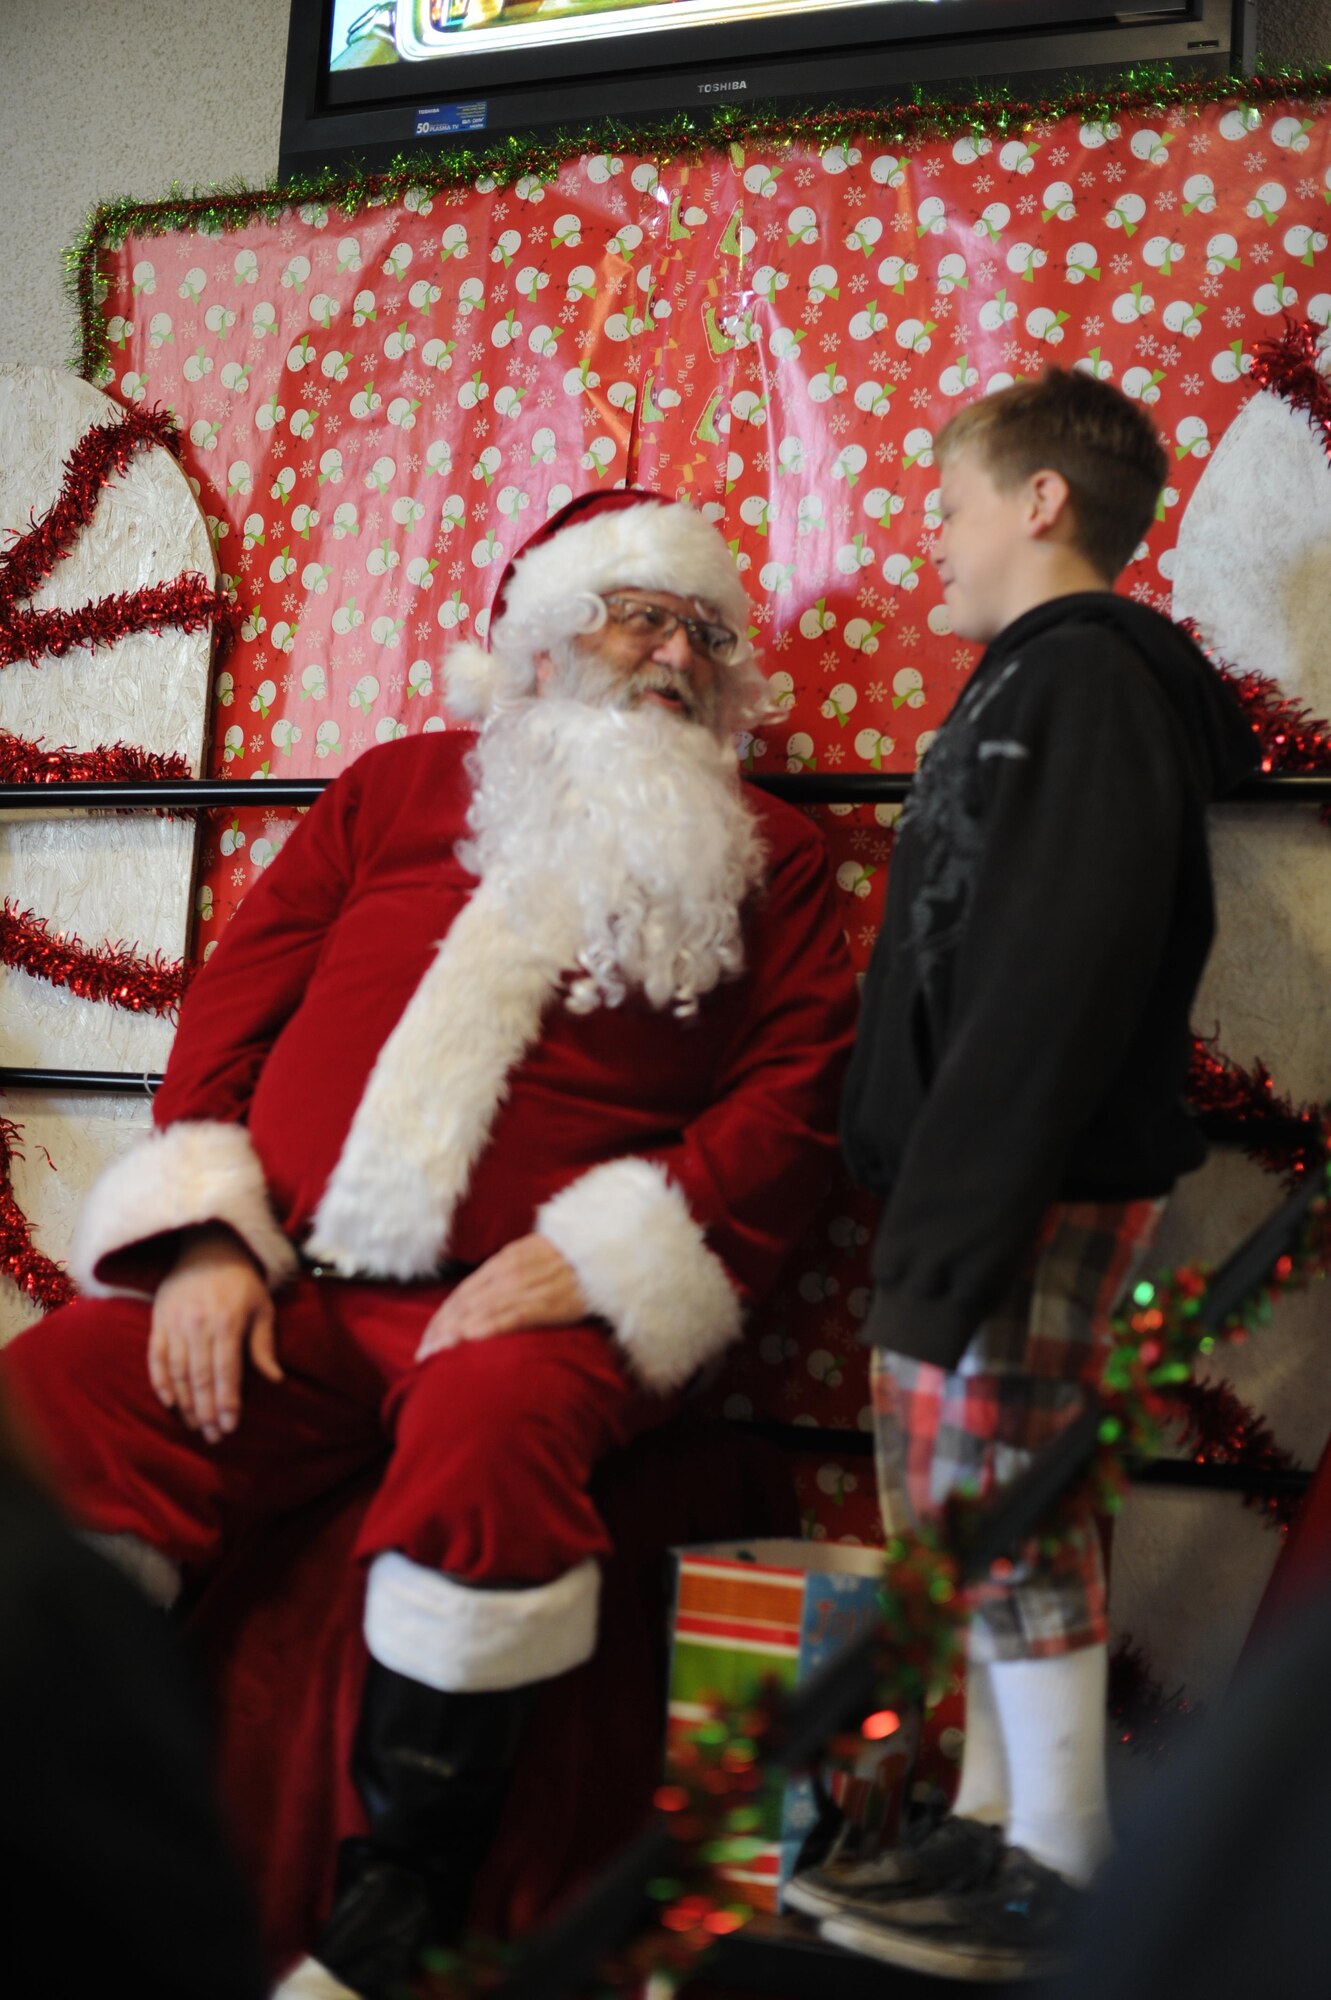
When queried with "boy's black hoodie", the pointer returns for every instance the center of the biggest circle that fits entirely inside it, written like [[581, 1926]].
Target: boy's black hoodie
[[1025, 1031]]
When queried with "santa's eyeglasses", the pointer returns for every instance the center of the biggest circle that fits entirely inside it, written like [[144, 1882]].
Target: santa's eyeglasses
[[651, 625]]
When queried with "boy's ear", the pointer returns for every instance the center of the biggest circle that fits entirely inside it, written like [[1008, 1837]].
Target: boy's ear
[[1048, 498]]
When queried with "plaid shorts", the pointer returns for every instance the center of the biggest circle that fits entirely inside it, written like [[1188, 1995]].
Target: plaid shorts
[[1017, 1384]]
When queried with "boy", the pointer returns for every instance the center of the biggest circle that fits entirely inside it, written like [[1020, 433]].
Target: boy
[[1015, 1099]]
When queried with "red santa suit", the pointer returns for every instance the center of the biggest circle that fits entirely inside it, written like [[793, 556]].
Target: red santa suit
[[376, 1076]]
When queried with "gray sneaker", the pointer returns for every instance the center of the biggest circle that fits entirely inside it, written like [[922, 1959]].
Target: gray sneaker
[[938, 1857], [1014, 1926]]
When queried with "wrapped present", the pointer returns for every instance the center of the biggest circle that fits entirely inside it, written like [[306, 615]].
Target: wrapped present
[[754, 1615]]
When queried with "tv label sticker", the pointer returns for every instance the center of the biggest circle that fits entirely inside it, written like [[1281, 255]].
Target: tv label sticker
[[432, 119]]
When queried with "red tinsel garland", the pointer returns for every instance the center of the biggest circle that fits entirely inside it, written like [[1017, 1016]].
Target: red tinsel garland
[[107, 972], [1143, 1715], [1220, 1429], [1291, 740], [186, 602], [30, 763], [1283, 1137], [1287, 364], [103, 449], [43, 1281]]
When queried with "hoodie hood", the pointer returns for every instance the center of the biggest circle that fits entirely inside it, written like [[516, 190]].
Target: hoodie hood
[[1220, 740]]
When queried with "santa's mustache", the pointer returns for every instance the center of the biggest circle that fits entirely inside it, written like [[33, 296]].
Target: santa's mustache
[[585, 676], [657, 679]]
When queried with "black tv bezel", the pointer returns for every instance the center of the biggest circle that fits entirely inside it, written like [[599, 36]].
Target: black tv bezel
[[769, 61]]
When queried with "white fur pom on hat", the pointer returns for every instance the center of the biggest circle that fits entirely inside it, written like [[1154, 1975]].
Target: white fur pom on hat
[[622, 539], [473, 680]]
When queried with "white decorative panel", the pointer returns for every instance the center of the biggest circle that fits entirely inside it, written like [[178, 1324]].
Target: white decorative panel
[[66, 1142], [105, 878], [1253, 568]]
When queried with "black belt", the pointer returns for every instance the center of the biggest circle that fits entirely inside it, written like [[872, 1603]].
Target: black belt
[[446, 1273]]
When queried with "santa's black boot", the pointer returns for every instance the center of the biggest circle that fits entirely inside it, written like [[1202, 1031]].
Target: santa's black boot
[[432, 1771]]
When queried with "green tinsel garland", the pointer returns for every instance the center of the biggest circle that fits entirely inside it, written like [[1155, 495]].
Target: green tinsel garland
[[683, 136]]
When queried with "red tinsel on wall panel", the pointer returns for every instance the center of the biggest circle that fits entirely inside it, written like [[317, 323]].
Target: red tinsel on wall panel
[[112, 973], [21, 1261], [26, 763], [1288, 365], [1220, 1429], [1284, 1137], [101, 454], [188, 603]]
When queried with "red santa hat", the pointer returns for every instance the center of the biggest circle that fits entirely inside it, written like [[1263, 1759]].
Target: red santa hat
[[626, 539]]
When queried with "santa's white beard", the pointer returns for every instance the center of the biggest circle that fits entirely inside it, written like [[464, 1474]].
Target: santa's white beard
[[638, 817]]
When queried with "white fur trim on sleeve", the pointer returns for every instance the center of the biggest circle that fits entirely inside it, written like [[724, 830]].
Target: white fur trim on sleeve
[[466, 1638], [643, 1264], [194, 1172]]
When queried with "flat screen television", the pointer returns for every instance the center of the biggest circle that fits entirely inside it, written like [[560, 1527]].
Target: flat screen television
[[368, 80]]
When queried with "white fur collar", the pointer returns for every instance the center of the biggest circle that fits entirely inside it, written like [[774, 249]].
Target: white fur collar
[[433, 1094]]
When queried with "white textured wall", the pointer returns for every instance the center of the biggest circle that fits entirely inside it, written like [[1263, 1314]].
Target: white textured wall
[[1295, 31], [104, 98]]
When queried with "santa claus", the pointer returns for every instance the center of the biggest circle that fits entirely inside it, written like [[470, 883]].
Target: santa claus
[[505, 1093]]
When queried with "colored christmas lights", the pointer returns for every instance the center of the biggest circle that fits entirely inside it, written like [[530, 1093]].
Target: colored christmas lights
[[1158, 1336]]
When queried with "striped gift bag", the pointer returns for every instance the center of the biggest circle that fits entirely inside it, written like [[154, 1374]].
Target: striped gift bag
[[758, 1612]]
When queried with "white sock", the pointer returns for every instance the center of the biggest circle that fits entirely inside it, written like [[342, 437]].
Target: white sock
[[983, 1791], [1051, 1718]]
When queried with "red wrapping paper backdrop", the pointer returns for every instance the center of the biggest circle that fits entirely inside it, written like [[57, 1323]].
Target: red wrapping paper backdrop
[[379, 406]]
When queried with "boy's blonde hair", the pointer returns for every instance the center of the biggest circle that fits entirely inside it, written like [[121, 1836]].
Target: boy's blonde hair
[[1104, 445]]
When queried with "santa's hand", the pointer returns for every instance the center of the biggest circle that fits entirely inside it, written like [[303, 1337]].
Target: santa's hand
[[213, 1306], [527, 1283]]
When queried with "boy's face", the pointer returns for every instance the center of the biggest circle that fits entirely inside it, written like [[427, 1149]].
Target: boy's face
[[982, 544]]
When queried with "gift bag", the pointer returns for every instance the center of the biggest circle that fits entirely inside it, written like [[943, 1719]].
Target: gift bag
[[749, 1614]]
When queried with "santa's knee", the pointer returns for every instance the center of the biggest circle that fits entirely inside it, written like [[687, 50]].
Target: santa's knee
[[77, 1390], [461, 1496], [78, 1379], [87, 1352], [461, 1636]]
